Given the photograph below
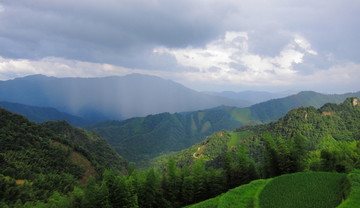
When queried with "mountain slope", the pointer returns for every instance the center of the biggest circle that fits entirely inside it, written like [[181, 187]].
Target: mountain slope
[[332, 128], [33, 154], [95, 148], [109, 97], [252, 97], [276, 108], [42, 114], [309, 189], [147, 137]]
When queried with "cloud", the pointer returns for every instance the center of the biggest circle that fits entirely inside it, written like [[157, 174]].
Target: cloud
[[111, 31], [230, 58], [58, 67], [124, 32], [249, 42]]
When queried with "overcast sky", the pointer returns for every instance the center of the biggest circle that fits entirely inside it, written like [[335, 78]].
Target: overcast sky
[[207, 45]]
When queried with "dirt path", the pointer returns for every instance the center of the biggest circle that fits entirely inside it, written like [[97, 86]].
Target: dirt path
[[194, 155]]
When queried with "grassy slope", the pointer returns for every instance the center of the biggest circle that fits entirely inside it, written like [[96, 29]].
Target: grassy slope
[[353, 197], [308, 189], [242, 196], [305, 189]]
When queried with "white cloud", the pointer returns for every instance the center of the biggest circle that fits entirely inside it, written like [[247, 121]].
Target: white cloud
[[233, 60], [304, 44], [60, 67]]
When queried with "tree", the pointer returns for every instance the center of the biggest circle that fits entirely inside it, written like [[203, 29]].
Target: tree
[[120, 190], [95, 195], [172, 182], [228, 170], [187, 191], [199, 173], [150, 195], [299, 152], [271, 157]]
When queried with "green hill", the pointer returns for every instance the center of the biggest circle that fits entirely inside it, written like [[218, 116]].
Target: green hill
[[147, 137], [139, 139], [91, 145], [332, 130], [306, 190], [274, 109], [35, 161]]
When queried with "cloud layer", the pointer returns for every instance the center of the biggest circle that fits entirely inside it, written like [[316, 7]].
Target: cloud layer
[[209, 44]]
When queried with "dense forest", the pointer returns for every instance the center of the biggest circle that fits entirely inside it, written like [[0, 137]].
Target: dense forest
[[35, 161], [37, 170]]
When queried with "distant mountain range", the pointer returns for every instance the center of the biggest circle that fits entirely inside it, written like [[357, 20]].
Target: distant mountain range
[[252, 97], [43, 114], [138, 139], [108, 98]]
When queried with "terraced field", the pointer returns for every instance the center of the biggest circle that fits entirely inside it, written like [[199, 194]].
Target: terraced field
[[305, 190]]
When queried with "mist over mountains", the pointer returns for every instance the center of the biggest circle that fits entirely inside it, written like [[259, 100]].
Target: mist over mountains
[[109, 98], [43, 114], [252, 96]]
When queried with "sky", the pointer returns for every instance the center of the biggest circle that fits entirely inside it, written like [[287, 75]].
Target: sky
[[206, 45]]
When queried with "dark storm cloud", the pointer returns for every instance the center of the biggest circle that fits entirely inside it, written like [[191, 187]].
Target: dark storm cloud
[[100, 31], [124, 32]]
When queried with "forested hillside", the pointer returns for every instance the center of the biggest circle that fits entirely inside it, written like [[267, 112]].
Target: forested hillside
[[35, 161], [331, 132], [147, 137], [140, 139]]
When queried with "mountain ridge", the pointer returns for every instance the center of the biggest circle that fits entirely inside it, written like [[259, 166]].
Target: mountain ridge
[[319, 129], [108, 98], [176, 131], [43, 114]]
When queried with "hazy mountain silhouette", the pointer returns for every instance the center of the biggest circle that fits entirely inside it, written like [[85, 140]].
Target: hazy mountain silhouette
[[109, 97], [42, 114], [252, 97]]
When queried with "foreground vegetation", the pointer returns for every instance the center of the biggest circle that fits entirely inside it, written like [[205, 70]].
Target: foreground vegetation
[[242, 196], [309, 189], [306, 189]]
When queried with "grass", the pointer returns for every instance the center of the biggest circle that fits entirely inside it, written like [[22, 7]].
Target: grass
[[235, 138], [306, 190], [242, 196], [353, 195]]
